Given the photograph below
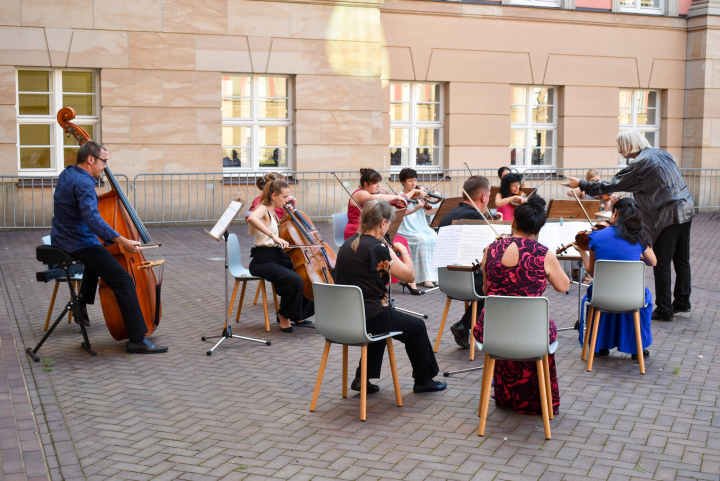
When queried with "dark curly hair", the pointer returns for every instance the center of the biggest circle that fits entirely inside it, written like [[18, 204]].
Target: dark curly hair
[[407, 173], [530, 217], [369, 176], [629, 222], [505, 184]]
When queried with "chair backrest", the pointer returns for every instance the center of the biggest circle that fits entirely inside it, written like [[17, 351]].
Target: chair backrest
[[339, 222], [618, 286], [516, 328], [235, 258], [340, 314], [458, 285]]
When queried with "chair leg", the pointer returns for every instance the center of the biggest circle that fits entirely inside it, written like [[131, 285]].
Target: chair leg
[[272, 287], [52, 304], [543, 399], [393, 370], [442, 324], [321, 371], [232, 301], [588, 328], [596, 325], [485, 368], [640, 356], [345, 370], [363, 382], [485, 392], [264, 299], [240, 303], [473, 320], [257, 294], [548, 384]]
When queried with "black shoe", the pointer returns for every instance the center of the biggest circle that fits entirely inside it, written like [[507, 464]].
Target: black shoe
[[430, 386], [144, 347], [603, 352], [677, 310], [646, 353], [462, 335], [659, 316], [577, 325], [414, 292], [285, 329], [371, 388]]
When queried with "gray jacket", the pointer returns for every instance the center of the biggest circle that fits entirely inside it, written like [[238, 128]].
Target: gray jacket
[[658, 187]]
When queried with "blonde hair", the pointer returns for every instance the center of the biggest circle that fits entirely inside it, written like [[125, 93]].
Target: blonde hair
[[631, 142], [273, 187], [591, 173], [261, 181], [372, 216]]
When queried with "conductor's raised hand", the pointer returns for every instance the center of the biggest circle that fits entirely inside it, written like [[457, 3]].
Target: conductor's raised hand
[[571, 182]]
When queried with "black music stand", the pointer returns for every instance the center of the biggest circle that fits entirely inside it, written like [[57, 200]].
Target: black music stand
[[67, 266], [445, 206]]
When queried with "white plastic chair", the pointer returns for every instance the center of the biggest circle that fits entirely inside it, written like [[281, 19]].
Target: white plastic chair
[[241, 274], [618, 287], [339, 222], [460, 286], [76, 280], [517, 329], [340, 319]]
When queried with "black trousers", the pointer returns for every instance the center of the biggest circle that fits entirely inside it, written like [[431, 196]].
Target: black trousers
[[673, 246], [273, 265], [414, 336], [99, 263], [466, 319]]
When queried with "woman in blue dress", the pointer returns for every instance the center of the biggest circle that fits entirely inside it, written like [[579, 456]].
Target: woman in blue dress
[[624, 240], [420, 236]]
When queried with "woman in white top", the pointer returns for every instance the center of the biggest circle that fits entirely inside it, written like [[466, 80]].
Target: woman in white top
[[270, 261]]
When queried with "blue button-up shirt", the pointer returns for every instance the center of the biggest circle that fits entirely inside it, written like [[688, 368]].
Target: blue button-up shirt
[[76, 222]]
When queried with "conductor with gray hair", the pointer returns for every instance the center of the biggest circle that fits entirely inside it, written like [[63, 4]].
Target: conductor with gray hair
[[667, 207]]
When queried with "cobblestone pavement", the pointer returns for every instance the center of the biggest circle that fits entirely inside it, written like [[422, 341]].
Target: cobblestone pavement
[[242, 413]]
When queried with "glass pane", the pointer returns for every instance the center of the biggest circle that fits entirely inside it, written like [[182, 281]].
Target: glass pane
[[542, 114], [236, 136], [273, 137], [77, 82], [428, 92], [272, 87], [236, 86], [646, 98], [517, 138], [400, 112], [427, 156], [273, 157], [399, 92], [399, 156], [35, 158], [428, 137], [627, 3], [428, 112], [625, 116], [400, 137], [517, 156], [518, 113], [34, 104], [650, 3], [35, 134], [519, 95], [541, 157], [33, 81], [543, 96], [83, 104], [236, 157], [651, 138], [625, 98], [541, 138], [272, 109], [70, 155], [646, 116], [543, 101], [236, 108], [69, 140]]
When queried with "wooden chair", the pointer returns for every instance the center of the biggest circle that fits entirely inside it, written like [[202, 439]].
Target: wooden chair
[[340, 319], [516, 329]]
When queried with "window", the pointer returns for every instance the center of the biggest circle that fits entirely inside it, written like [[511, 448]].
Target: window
[[44, 149], [640, 110], [533, 117], [256, 125], [416, 124], [651, 7], [537, 3]]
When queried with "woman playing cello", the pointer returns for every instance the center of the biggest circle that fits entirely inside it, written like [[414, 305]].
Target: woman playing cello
[[270, 262]]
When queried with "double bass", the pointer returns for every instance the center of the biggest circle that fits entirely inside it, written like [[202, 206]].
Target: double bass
[[115, 209]]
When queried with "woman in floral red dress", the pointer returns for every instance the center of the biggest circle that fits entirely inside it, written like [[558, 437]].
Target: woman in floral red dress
[[520, 266]]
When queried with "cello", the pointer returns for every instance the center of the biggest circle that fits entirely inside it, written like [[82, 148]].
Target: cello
[[115, 209]]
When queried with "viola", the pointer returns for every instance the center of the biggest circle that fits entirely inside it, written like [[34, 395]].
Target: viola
[[521, 194], [582, 238], [116, 210]]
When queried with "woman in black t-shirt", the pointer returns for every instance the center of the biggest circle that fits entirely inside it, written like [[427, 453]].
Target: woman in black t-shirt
[[366, 262]]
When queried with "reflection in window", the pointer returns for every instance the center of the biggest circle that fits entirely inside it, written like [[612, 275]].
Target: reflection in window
[[416, 124], [533, 120], [653, 7], [640, 110]]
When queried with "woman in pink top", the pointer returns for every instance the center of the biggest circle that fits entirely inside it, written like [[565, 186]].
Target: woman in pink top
[[509, 194]]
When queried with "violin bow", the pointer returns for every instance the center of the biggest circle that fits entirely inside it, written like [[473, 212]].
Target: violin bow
[[348, 192], [582, 207], [539, 185], [436, 183]]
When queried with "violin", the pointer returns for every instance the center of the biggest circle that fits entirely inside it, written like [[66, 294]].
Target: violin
[[116, 210], [582, 238], [521, 194]]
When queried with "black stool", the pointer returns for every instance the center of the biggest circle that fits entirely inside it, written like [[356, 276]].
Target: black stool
[[61, 264]]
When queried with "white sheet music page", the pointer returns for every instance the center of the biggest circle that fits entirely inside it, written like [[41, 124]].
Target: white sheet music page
[[226, 219], [475, 239], [567, 233], [447, 246], [549, 236]]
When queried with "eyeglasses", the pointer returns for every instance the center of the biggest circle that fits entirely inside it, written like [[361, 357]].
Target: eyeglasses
[[105, 161]]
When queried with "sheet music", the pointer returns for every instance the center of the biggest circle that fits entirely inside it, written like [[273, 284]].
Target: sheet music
[[226, 219], [475, 239], [447, 246], [549, 236], [567, 233]]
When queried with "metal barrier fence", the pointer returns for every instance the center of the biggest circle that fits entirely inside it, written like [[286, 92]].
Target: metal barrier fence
[[201, 197]]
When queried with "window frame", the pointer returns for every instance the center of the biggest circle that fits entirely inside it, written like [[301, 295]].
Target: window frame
[[638, 8], [537, 3], [529, 126], [415, 125], [255, 123], [622, 162], [57, 148]]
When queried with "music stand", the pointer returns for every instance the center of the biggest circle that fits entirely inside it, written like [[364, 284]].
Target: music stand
[[570, 209], [221, 229], [445, 206]]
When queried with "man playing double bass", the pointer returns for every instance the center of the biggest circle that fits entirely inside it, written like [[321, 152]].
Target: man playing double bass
[[76, 227]]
